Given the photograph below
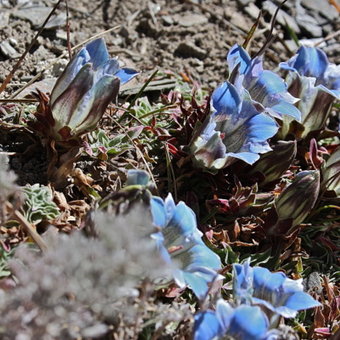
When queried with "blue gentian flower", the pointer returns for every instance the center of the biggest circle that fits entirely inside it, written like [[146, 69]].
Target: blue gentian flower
[[180, 243], [241, 323], [234, 130], [316, 82], [82, 93], [267, 90], [279, 294]]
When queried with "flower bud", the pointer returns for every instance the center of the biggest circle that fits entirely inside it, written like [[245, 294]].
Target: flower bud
[[331, 174], [296, 201]]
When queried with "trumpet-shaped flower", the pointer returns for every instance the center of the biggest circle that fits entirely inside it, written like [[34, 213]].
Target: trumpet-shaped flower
[[241, 323], [81, 94], [234, 130], [316, 82], [267, 90], [279, 294], [180, 243]]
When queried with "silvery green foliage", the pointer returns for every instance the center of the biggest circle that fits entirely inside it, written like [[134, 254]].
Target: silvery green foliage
[[81, 285], [38, 204]]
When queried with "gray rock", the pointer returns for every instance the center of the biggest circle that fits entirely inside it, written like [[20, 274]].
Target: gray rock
[[13, 42], [327, 29], [325, 9], [191, 20], [36, 15], [62, 35], [309, 25], [252, 10], [188, 49], [313, 282], [56, 21], [167, 20], [240, 21], [283, 18], [4, 19], [8, 51], [244, 2]]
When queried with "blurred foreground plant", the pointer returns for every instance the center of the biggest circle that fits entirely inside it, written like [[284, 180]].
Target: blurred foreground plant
[[80, 287]]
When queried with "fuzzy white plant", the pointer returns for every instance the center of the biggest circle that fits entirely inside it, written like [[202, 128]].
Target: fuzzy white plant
[[81, 284]]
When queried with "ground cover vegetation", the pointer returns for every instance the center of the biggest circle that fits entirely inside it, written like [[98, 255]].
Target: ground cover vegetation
[[194, 213]]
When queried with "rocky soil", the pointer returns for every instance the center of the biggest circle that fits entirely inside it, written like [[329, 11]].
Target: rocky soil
[[187, 37]]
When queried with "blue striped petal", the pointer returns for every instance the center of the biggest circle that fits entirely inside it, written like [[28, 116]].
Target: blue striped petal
[[300, 300], [248, 323], [126, 74], [238, 56], [98, 52], [158, 212], [207, 326], [308, 61]]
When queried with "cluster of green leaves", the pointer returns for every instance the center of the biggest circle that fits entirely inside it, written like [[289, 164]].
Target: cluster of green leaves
[[38, 204]]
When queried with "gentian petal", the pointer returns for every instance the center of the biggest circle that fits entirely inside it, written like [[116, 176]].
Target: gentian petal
[[243, 282], [237, 55], [94, 104], [248, 323], [269, 90], [224, 313], [70, 72], [226, 101], [64, 106], [98, 52], [126, 74], [195, 264], [207, 326], [198, 280], [300, 300], [266, 282], [308, 61], [158, 211], [181, 225], [285, 108]]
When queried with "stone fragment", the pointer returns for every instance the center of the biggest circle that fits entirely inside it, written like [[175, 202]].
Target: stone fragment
[[282, 18], [4, 19], [36, 15], [252, 10], [309, 25], [8, 51], [191, 20], [239, 20], [244, 2], [325, 9], [56, 21], [167, 20], [188, 49]]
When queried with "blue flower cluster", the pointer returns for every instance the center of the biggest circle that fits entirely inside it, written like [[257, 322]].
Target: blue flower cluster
[[82, 93], [244, 107], [241, 121], [316, 82], [180, 242], [261, 298]]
